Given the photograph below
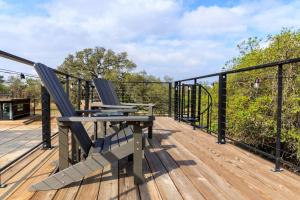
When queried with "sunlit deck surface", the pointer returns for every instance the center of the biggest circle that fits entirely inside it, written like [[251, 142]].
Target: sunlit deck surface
[[16, 138], [182, 164]]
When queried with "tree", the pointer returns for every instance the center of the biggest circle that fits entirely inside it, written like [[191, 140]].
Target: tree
[[33, 88], [251, 112], [16, 86], [117, 67], [249, 45], [92, 63], [3, 88]]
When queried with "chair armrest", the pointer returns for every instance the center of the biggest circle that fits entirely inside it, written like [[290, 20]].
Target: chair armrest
[[106, 111], [117, 106], [149, 106], [107, 119], [138, 104]]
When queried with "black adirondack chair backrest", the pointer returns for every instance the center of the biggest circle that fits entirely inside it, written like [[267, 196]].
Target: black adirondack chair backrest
[[106, 91], [56, 91]]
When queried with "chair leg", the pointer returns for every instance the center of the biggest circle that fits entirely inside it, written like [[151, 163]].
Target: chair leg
[[63, 147], [75, 150], [130, 158], [150, 132], [138, 155], [95, 131], [102, 132]]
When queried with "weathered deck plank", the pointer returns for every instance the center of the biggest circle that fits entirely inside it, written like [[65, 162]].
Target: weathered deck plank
[[16, 139], [109, 183], [182, 164]]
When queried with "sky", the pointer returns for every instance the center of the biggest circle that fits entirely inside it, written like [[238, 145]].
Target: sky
[[178, 38]]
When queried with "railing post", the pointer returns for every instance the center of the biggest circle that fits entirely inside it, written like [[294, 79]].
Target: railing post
[[34, 106], [279, 119], [222, 109], [193, 103], [188, 102], [79, 95], [182, 101], [86, 96], [176, 100], [75, 151], [208, 115], [170, 100], [179, 101], [46, 126], [92, 94], [199, 104], [68, 86], [122, 92]]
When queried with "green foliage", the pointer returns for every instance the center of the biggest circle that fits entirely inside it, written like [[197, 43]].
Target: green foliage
[[117, 67], [16, 86], [92, 63], [32, 88], [3, 88], [23, 88], [251, 112], [143, 88]]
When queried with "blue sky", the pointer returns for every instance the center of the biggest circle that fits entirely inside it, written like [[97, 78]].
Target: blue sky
[[179, 38]]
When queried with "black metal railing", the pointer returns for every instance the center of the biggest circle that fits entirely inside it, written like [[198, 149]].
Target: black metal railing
[[158, 93], [193, 104], [223, 92]]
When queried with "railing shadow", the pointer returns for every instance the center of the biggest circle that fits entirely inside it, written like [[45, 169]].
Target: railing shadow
[[161, 151]]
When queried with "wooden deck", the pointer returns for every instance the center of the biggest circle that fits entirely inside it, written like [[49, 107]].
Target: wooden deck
[[182, 164], [16, 138]]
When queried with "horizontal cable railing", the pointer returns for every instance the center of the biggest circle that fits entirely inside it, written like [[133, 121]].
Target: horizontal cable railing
[[248, 104], [158, 93]]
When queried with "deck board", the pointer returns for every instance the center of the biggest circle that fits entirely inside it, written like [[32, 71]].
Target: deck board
[[181, 164], [16, 139], [239, 166]]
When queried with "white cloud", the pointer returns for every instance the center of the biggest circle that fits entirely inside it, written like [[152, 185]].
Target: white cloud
[[207, 21], [160, 35]]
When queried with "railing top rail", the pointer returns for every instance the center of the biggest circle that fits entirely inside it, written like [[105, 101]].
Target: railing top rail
[[151, 82], [16, 58], [31, 63], [273, 64]]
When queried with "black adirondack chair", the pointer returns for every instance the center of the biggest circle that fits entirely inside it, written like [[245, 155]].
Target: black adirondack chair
[[107, 93], [102, 152], [108, 96]]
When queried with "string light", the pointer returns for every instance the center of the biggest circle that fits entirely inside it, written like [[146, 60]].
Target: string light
[[22, 76], [256, 83]]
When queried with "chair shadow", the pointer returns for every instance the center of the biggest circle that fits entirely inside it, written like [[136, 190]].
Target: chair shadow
[[158, 154], [166, 130]]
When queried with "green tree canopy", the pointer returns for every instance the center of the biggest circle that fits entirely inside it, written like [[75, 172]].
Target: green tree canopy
[[92, 63], [3, 89], [251, 111]]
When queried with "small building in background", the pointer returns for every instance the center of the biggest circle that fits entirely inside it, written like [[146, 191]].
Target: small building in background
[[14, 108]]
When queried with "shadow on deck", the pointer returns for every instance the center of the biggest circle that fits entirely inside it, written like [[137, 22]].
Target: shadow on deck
[[182, 164]]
